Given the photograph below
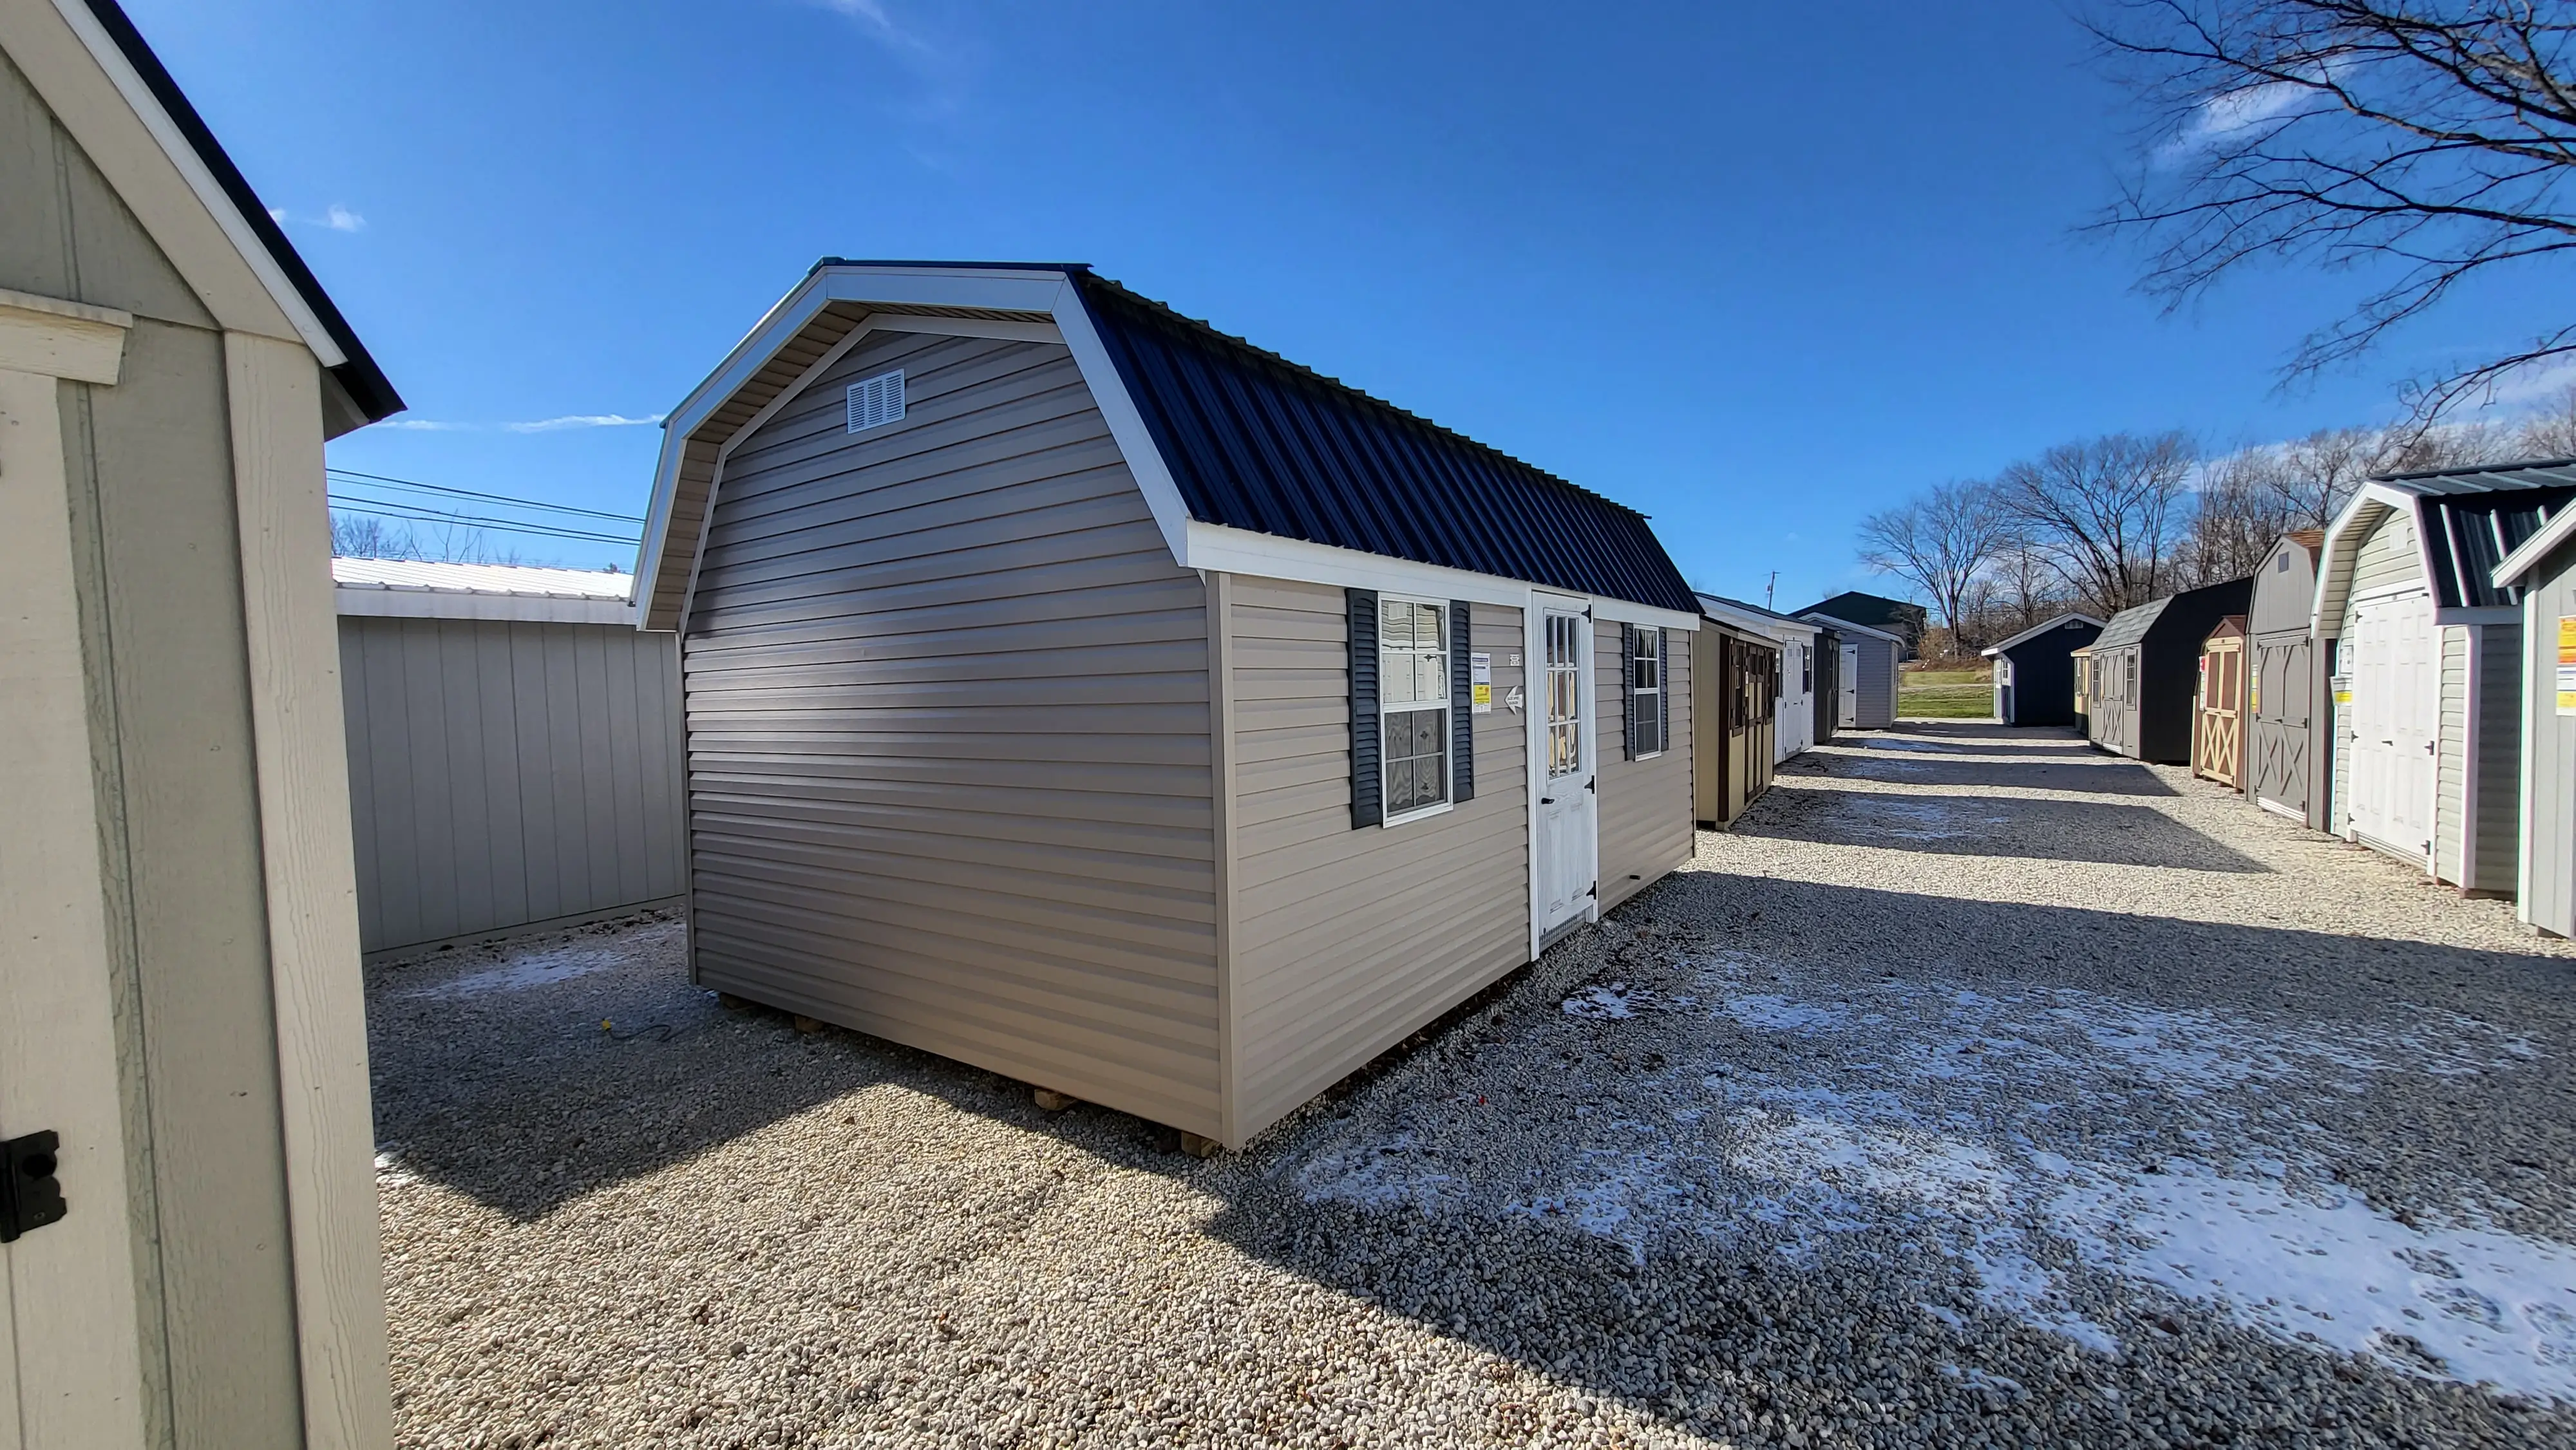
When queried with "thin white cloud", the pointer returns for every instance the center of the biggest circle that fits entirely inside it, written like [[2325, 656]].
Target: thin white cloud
[[872, 17], [334, 217], [2223, 117], [424, 425], [582, 420]]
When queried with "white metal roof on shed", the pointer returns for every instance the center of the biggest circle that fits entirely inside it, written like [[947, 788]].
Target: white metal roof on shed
[[417, 589]]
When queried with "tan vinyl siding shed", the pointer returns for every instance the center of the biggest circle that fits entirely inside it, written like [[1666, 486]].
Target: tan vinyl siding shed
[[180, 1000], [1008, 738]]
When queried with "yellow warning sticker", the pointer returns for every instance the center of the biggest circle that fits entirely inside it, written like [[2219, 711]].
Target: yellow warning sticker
[[2567, 664]]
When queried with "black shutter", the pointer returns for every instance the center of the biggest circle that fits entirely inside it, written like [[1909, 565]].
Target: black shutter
[[1368, 767], [1628, 685], [1462, 704], [1664, 696]]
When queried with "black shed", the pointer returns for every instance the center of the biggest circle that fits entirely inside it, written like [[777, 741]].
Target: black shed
[[2035, 670], [2145, 671]]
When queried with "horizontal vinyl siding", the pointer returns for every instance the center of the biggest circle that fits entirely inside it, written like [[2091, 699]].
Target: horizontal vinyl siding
[[1646, 805], [2450, 757], [1347, 940], [2549, 875], [948, 721], [2388, 557], [503, 773], [2496, 815]]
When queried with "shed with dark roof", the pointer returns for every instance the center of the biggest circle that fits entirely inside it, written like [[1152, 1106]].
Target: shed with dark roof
[[2142, 674], [2035, 670], [2542, 571], [1081, 692], [2424, 649]]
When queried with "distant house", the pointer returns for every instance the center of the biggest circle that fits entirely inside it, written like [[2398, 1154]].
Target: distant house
[[1080, 692], [2142, 683], [2035, 670], [1876, 611], [1866, 674], [514, 749], [2427, 665]]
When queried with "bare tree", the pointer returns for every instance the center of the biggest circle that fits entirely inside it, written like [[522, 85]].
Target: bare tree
[[363, 536], [1939, 543], [366, 536], [2416, 142], [2550, 431], [2108, 514]]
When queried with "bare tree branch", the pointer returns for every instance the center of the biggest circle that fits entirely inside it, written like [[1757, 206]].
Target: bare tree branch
[[1940, 543], [2415, 142]]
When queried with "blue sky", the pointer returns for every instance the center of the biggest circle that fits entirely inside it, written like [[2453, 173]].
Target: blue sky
[[1754, 273]]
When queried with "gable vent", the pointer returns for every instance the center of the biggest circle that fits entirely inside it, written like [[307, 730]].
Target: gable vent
[[876, 401]]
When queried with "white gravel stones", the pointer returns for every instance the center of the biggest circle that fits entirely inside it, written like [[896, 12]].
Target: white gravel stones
[[1975, 1090]]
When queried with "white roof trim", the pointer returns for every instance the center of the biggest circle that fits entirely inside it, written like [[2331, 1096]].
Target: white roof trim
[[1845, 626], [363, 603], [2539, 546], [893, 288], [2036, 630], [210, 193], [2342, 548], [1219, 549], [1784, 630]]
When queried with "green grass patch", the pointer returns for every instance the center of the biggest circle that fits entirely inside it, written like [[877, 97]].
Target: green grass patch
[[1945, 701], [1912, 679]]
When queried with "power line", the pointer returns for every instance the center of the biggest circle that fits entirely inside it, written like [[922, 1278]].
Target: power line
[[410, 513], [441, 488]]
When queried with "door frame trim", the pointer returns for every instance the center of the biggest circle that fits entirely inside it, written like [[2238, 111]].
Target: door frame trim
[[1534, 743]]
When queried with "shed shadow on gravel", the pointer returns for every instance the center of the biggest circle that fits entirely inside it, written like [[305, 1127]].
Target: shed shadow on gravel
[[1985, 825]]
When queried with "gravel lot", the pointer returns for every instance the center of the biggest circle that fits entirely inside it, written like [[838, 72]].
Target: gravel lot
[[1976, 1089]]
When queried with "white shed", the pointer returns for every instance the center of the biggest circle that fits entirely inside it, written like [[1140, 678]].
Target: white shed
[[1796, 707], [2424, 656]]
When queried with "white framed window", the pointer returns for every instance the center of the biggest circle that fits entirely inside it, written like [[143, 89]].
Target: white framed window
[[1564, 695], [877, 401], [1806, 669], [1413, 706], [1646, 692]]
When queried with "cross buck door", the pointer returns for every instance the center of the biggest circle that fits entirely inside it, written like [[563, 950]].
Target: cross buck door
[[1563, 855], [2219, 750]]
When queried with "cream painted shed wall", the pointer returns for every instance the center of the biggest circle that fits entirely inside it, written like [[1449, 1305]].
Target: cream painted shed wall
[[1347, 940], [163, 464], [2548, 766], [949, 733], [1647, 824]]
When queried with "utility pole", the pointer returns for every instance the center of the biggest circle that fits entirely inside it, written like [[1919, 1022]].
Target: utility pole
[[1770, 589]]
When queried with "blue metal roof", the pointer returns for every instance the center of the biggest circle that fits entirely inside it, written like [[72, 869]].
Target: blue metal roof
[[2473, 517], [1256, 442]]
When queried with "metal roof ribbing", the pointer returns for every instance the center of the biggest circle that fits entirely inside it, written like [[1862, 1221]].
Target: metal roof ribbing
[[1256, 442], [504, 579], [2472, 517]]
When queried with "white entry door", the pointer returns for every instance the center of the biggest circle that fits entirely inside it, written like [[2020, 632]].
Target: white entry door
[[2395, 703], [1564, 854], [1847, 710]]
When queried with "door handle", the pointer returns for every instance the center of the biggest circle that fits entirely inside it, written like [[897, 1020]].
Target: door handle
[[1547, 800]]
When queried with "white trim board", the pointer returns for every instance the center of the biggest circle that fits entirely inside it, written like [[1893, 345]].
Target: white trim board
[[365, 603]]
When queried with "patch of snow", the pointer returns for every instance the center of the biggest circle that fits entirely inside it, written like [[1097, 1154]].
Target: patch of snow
[[1619, 1000], [1373, 1173], [520, 974], [1779, 1014]]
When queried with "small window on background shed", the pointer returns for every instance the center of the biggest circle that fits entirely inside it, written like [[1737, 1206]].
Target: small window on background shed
[[876, 401]]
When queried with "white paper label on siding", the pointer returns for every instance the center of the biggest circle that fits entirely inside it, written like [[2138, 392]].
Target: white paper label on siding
[[1480, 677]]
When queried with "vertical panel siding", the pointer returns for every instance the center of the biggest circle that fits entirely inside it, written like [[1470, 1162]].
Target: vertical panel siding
[[2549, 834], [1875, 709], [1647, 820], [493, 783], [2450, 756], [948, 733], [1346, 940], [2496, 815]]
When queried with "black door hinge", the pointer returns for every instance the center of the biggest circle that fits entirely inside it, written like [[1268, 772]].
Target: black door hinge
[[30, 1196]]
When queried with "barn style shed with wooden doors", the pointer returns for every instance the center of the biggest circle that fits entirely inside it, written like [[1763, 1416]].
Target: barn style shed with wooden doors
[[514, 749], [2142, 677], [1795, 710], [2426, 661], [1079, 692], [2542, 573], [182, 1019], [2035, 670], [1737, 675], [2285, 739], [1865, 675], [2218, 720]]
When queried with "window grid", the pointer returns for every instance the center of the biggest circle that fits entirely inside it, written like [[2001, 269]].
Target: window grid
[[1564, 699], [1413, 703], [1646, 691]]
